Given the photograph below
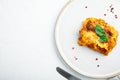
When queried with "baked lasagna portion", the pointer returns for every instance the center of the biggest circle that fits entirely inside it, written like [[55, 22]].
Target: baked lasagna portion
[[98, 35]]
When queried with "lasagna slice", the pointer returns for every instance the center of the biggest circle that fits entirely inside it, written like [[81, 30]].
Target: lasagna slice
[[98, 35]]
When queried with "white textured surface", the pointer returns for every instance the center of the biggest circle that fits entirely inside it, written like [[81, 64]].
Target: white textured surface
[[67, 34], [27, 49]]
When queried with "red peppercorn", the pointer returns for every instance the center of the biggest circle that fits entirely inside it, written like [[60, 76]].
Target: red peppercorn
[[75, 58], [116, 16], [85, 6], [73, 48], [111, 10], [98, 65], [104, 14], [96, 59], [111, 5]]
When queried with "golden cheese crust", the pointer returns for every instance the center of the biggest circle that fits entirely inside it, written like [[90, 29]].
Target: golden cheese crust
[[90, 39]]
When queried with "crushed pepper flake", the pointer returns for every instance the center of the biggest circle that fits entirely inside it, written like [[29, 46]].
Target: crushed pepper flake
[[104, 14], [116, 16], [111, 5], [73, 48], [86, 7], [75, 58], [98, 65], [111, 10], [96, 59]]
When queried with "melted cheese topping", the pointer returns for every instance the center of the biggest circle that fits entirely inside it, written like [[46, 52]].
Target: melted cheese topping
[[90, 39]]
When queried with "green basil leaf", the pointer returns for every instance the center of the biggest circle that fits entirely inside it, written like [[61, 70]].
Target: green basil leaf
[[99, 30], [103, 38]]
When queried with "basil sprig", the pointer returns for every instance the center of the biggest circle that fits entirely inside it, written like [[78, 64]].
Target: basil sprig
[[103, 39], [101, 33]]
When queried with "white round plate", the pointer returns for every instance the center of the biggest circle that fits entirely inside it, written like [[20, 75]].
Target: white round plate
[[80, 58]]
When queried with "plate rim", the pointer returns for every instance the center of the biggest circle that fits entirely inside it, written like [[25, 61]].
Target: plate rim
[[62, 53]]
